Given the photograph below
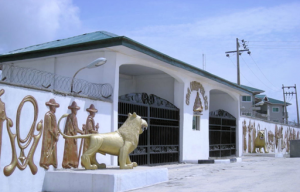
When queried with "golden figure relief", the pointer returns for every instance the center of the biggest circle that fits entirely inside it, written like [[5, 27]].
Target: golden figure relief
[[70, 158], [22, 161], [120, 143], [2, 117], [50, 137], [253, 136], [90, 127], [198, 104], [250, 128], [244, 135], [271, 140]]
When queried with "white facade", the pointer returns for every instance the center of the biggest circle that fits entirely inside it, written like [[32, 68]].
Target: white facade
[[127, 71]]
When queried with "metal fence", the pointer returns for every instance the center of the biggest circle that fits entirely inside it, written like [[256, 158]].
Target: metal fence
[[46, 80]]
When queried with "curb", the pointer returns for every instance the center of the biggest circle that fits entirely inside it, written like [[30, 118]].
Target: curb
[[220, 161]]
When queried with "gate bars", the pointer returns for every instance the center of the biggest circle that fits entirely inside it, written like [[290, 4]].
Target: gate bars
[[159, 144]]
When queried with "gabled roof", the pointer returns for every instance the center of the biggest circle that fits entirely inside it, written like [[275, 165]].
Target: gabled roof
[[252, 89], [103, 39], [271, 100]]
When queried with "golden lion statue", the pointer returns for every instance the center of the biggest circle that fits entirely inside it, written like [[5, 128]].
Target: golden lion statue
[[120, 143], [260, 142]]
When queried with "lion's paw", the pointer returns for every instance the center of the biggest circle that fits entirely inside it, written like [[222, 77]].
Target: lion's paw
[[102, 166], [134, 164]]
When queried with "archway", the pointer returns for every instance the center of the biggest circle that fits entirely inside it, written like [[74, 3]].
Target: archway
[[222, 124], [151, 94]]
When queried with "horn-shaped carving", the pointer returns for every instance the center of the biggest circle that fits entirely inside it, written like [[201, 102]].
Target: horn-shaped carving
[[24, 143], [2, 118]]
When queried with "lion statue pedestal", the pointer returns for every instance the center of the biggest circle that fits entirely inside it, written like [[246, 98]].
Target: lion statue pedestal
[[119, 143]]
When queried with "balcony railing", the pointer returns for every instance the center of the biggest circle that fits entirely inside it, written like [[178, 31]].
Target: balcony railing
[[50, 81]]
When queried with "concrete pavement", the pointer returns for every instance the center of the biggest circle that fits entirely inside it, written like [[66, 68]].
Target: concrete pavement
[[254, 173]]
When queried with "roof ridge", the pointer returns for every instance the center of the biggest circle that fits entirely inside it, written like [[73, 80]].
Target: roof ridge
[[37, 45]]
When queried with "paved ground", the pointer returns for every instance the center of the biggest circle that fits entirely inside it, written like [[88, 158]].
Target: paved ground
[[254, 173]]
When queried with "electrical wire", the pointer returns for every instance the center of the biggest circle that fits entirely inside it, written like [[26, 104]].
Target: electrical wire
[[256, 75], [261, 71], [240, 72]]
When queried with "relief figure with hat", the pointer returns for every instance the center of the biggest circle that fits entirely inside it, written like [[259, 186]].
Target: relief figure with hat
[[50, 137], [90, 127], [70, 158]]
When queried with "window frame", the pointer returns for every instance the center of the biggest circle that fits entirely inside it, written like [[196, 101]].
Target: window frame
[[246, 96], [275, 111], [197, 126]]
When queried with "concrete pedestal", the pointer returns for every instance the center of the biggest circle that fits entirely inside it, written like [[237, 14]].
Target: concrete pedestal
[[110, 179]]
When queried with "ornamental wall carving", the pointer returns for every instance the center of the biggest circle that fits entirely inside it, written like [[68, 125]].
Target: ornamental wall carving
[[196, 86], [273, 135]]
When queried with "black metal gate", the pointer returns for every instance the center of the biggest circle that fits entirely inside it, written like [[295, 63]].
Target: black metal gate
[[159, 144], [222, 134]]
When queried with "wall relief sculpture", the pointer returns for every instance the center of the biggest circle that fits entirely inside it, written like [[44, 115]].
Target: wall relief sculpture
[[271, 142], [70, 158], [198, 104], [120, 143], [196, 86], [89, 128], [2, 118], [22, 161], [244, 136], [250, 128], [50, 137]]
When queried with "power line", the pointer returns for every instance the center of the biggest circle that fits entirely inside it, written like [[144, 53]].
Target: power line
[[274, 41], [256, 75], [261, 71]]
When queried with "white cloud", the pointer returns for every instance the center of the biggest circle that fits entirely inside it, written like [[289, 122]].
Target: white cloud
[[29, 22]]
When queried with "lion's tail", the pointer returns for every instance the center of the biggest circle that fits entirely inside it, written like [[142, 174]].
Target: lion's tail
[[67, 136]]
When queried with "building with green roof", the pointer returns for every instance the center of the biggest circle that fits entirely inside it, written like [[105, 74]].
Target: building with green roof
[[187, 109]]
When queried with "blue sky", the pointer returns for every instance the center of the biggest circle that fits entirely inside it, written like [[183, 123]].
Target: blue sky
[[182, 29]]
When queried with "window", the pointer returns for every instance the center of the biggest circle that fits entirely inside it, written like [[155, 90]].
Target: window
[[196, 123], [247, 113], [246, 98], [275, 109]]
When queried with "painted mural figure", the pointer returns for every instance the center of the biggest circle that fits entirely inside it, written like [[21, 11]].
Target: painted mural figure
[[70, 158], [50, 137], [244, 135], [90, 127]]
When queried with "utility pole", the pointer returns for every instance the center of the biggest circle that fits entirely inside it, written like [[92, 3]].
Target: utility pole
[[238, 53], [290, 93]]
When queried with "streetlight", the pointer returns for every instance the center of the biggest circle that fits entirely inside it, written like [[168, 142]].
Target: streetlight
[[98, 62]]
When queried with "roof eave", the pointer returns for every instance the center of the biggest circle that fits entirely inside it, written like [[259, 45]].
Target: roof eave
[[115, 41]]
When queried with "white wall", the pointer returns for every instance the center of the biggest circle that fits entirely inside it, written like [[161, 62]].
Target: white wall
[[161, 85], [267, 126], [24, 180]]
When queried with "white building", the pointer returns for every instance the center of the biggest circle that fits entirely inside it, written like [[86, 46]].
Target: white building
[[135, 78]]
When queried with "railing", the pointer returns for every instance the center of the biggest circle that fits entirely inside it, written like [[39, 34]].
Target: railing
[[264, 116], [46, 80]]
